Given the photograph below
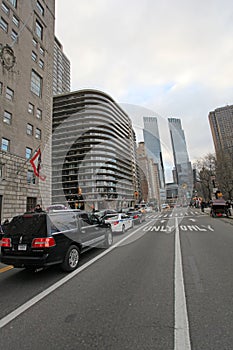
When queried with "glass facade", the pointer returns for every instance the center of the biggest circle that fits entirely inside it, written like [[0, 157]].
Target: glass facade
[[183, 168]]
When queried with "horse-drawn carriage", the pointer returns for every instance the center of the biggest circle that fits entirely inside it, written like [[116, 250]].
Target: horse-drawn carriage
[[219, 207]]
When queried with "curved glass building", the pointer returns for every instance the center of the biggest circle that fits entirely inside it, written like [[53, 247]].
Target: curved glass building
[[93, 151]]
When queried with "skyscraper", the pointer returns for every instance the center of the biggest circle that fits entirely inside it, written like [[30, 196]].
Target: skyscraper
[[61, 69], [221, 124], [153, 145], [183, 169], [149, 176]]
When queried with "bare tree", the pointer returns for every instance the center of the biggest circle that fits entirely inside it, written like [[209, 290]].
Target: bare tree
[[205, 176]]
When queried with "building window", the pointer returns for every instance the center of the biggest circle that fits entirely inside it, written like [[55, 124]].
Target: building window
[[1, 170], [39, 30], [13, 3], [5, 8], [41, 64], [36, 84], [7, 117], [1, 85], [5, 146], [34, 42], [15, 20], [39, 113], [3, 25], [14, 35], [29, 129], [34, 56], [31, 203], [28, 153], [31, 178], [9, 94], [30, 108], [38, 134], [42, 51], [40, 8]]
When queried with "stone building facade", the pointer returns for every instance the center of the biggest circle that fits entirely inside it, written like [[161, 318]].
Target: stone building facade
[[26, 80]]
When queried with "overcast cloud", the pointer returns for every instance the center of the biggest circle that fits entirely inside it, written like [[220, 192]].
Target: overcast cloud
[[172, 57]]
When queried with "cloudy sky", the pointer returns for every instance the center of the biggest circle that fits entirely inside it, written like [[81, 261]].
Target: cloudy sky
[[170, 58]]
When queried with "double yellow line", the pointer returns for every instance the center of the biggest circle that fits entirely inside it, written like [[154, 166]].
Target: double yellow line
[[4, 269]]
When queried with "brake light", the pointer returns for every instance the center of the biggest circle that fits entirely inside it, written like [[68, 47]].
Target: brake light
[[6, 242], [115, 222], [135, 216], [45, 242]]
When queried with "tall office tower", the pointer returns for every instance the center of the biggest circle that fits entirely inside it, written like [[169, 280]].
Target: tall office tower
[[26, 78], [221, 124], [183, 168], [61, 70], [153, 145], [149, 175], [93, 149]]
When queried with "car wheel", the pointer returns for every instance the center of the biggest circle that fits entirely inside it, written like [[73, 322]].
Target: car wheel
[[123, 229], [108, 239], [71, 259]]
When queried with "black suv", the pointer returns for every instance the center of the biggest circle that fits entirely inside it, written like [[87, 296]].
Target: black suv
[[35, 240]]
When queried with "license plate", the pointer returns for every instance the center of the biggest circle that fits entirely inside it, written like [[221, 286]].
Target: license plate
[[22, 247]]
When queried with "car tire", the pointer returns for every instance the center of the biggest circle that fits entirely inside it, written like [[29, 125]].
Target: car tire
[[123, 229], [71, 259], [108, 239]]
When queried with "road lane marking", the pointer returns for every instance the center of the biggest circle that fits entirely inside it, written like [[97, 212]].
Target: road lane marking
[[181, 329], [4, 269], [21, 309]]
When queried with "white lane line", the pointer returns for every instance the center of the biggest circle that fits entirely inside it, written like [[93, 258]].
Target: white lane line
[[17, 312], [181, 330]]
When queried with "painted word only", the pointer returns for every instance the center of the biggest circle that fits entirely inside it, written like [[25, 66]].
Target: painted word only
[[169, 229]]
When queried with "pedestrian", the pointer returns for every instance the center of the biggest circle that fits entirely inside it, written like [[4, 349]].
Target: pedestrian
[[38, 209], [202, 206]]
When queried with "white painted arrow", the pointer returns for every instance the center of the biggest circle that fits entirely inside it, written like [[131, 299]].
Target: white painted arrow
[[192, 220]]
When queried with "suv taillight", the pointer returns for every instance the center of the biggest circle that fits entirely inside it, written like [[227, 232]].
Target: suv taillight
[[45, 242], [6, 242], [115, 222]]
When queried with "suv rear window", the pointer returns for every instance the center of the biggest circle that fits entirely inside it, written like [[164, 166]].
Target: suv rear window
[[28, 225]]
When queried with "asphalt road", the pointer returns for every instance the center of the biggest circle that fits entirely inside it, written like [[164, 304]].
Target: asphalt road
[[167, 286]]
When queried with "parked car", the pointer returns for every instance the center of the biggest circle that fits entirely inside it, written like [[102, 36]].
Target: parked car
[[165, 206], [55, 207], [103, 212], [137, 216], [35, 240], [119, 222]]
